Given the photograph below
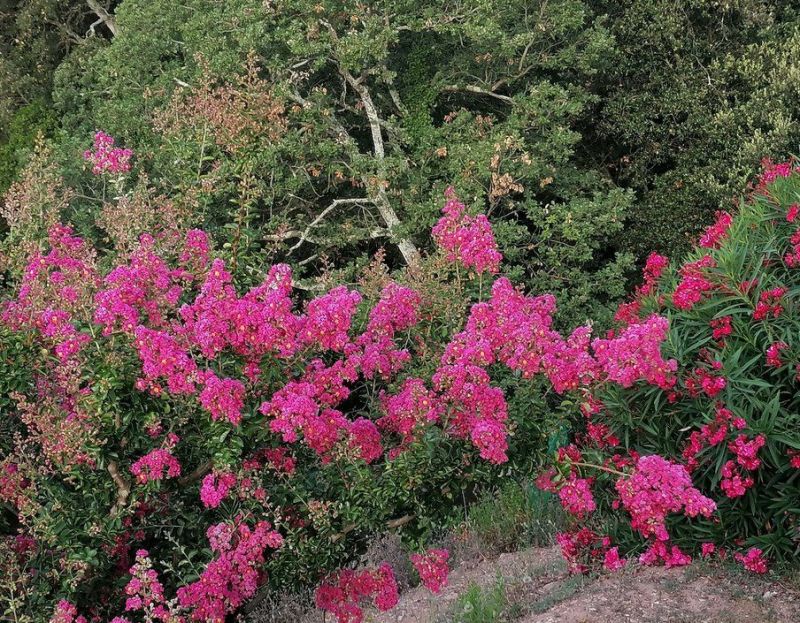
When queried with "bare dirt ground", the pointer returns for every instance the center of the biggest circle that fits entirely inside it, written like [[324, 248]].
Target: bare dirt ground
[[537, 589]]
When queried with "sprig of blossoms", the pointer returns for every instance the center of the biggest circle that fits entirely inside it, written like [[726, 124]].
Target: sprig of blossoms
[[716, 233], [233, 577], [432, 568], [105, 157], [343, 593], [466, 239], [156, 465]]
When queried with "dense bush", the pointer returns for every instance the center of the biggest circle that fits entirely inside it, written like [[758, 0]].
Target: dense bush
[[377, 375], [544, 115], [320, 129], [699, 93], [20, 137], [724, 414], [155, 400], [146, 400]]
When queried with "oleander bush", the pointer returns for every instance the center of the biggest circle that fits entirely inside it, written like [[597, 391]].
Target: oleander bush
[[723, 414]]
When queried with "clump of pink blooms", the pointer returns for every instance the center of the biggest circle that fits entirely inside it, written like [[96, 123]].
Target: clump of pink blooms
[[222, 398], [156, 465], [771, 171], [432, 568], [576, 496], [105, 157], [145, 593], [716, 233], [734, 482], [215, 487], [66, 612], [720, 329], [770, 304], [410, 409], [655, 489], [753, 560], [694, 283], [54, 293], [234, 575], [660, 552], [635, 354], [466, 239], [343, 593]]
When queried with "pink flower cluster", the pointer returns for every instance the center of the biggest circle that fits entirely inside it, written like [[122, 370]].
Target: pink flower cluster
[[66, 612], [660, 552], [711, 434], [792, 258], [144, 290], [576, 496], [770, 303], [694, 283], [145, 592], [408, 410], [753, 560], [628, 312], [716, 233], [772, 171], [720, 329], [55, 290], [328, 319], [233, 577], [657, 488], [222, 398], [105, 158], [432, 568], [636, 354], [584, 549], [156, 465], [466, 239], [365, 438], [735, 481], [215, 488], [343, 593]]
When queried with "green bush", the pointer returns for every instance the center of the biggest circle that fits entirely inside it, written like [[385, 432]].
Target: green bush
[[486, 100], [19, 138], [696, 94]]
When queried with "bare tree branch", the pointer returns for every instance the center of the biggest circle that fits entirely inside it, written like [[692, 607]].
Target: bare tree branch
[[452, 88], [381, 198], [336, 202], [106, 17], [123, 488]]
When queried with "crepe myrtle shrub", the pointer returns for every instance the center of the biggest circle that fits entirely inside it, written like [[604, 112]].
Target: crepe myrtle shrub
[[179, 438], [725, 416], [170, 402]]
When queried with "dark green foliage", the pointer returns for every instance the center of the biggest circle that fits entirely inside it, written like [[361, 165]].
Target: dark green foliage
[[480, 100], [697, 94], [20, 135]]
